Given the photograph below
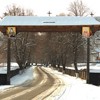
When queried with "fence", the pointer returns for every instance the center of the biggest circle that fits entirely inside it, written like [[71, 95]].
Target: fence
[[82, 73], [3, 77]]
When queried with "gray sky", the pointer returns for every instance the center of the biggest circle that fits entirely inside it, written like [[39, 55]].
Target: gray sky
[[41, 7]]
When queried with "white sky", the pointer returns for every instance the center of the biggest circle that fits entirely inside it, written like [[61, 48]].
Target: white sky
[[41, 7]]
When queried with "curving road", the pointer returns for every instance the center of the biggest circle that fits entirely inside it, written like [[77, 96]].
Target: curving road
[[45, 85]]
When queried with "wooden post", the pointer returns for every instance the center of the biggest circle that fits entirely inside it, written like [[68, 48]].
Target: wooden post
[[8, 60]]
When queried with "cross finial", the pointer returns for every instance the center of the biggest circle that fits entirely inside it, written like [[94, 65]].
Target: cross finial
[[49, 13], [91, 14]]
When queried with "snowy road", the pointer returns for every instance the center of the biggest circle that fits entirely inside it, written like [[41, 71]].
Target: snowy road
[[44, 86]]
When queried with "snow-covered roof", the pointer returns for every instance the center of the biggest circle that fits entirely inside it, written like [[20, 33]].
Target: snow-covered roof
[[50, 21]]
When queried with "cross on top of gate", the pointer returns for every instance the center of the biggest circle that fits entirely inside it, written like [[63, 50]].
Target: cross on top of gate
[[49, 13]]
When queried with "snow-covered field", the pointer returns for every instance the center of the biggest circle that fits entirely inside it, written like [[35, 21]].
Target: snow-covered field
[[3, 67], [74, 88]]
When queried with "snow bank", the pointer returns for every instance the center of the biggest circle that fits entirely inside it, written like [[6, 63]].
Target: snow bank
[[20, 79]]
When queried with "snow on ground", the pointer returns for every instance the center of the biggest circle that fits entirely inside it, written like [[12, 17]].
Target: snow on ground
[[94, 68], [3, 67], [74, 88], [18, 79], [21, 78]]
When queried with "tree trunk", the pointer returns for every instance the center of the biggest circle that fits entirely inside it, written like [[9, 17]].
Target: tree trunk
[[64, 71], [58, 66], [75, 63]]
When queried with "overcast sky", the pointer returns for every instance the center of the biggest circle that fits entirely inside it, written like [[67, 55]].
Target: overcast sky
[[41, 7]]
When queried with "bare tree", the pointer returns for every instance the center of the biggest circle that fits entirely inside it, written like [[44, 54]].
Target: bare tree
[[62, 14], [19, 43], [22, 47], [15, 10], [78, 8], [3, 49]]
